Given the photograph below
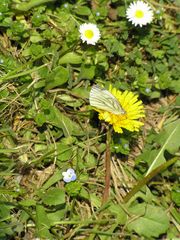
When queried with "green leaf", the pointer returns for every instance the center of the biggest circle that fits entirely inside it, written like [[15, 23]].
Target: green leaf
[[149, 221], [169, 140], [95, 200], [71, 58], [174, 85], [6, 229], [90, 160], [73, 188], [83, 10], [36, 38], [158, 53], [71, 101], [84, 194], [54, 196], [42, 223], [117, 210], [9, 192], [114, 46], [54, 217], [5, 211], [28, 202], [68, 126], [50, 114], [64, 152], [57, 77], [176, 196], [52, 180], [87, 72]]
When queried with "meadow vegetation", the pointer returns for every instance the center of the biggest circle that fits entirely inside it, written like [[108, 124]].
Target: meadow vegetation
[[47, 125]]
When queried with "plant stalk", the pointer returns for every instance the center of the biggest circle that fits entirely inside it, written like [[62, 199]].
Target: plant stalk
[[146, 179]]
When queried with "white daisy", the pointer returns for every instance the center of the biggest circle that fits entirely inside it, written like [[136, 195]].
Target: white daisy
[[89, 33], [139, 13]]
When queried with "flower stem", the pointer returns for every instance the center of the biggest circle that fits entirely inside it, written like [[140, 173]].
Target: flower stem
[[146, 179], [107, 167]]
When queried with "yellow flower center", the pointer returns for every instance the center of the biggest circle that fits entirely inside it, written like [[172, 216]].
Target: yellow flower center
[[139, 14], [89, 34]]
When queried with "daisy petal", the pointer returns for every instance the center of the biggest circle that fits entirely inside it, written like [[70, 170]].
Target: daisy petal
[[139, 13], [89, 33]]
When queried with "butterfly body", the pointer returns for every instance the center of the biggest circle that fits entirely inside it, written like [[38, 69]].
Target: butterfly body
[[102, 99]]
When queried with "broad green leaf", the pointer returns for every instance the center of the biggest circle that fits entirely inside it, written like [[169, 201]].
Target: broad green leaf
[[52, 180], [118, 211], [71, 58], [87, 72], [83, 10], [73, 188], [58, 77], [28, 202], [64, 152], [84, 194], [81, 92], [9, 150], [175, 195], [55, 217], [9, 192], [42, 223], [5, 211], [148, 221], [95, 200], [174, 85], [155, 94], [114, 46], [66, 124], [71, 101], [169, 140], [36, 38], [6, 229], [54, 196], [91, 161], [50, 114]]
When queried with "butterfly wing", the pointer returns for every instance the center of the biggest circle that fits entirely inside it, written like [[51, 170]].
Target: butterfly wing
[[104, 100]]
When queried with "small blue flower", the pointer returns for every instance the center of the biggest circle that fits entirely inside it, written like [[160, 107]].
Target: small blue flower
[[147, 90], [97, 14], [126, 145], [69, 175], [66, 5]]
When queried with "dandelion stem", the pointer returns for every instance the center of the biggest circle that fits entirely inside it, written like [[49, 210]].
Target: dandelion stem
[[107, 167]]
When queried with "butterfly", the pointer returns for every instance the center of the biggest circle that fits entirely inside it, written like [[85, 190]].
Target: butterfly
[[102, 99]]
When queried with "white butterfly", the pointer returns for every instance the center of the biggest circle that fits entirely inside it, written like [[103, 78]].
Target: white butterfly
[[104, 100]]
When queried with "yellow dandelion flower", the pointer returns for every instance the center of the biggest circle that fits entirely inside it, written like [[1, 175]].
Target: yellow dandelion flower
[[120, 109]]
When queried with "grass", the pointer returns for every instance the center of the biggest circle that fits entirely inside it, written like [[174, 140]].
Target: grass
[[48, 125]]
